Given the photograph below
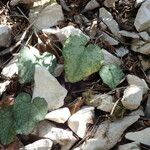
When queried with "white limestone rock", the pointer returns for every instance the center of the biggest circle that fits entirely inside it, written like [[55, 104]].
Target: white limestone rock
[[129, 34], [91, 5], [60, 115], [65, 32], [46, 129], [132, 97], [47, 17], [110, 58], [135, 80], [46, 86], [78, 121], [43, 144], [109, 133], [142, 136], [11, 68], [3, 86], [109, 21], [142, 20], [129, 146], [141, 46], [5, 36]]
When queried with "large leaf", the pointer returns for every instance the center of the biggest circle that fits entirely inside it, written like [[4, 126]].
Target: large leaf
[[27, 113], [80, 61], [7, 127], [111, 75], [28, 58]]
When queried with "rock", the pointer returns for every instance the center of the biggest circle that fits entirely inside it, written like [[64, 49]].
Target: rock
[[142, 20], [60, 115], [11, 68], [142, 136], [134, 80], [147, 109], [132, 97], [44, 144], [145, 62], [109, 133], [129, 34], [130, 146], [91, 5], [46, 86], [138, 2], [107, 18], [64, 33], [58, 70], [110, 59], [140, 46], [109, 39], [46, 129], [78, 122], [5, 36], [47, 17], [109, 3], [145, 36], [121, 51], [3, 86]]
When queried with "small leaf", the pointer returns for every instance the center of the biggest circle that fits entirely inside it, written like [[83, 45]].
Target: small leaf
[[27, 113], [111, 75], [28, 58], [7, 127], [80, 61]]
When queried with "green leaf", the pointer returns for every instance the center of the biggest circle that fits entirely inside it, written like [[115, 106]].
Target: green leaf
[[111, 75], [27, 113], [7, 127], [28, 58], [80, 61]]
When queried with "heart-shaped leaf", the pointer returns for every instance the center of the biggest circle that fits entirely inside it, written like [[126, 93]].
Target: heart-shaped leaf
[[28, 58], [111, 75], [7, 126], [27, 113], [80, 61]]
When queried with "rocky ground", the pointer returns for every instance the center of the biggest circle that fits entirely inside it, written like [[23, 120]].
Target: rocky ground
[[75, 74]]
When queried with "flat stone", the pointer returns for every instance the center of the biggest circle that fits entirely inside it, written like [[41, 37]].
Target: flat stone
[[110, 58], [109, 21], [47, 17], [78, 122], [112, 131], [5, 36], [135, 80], [132, 97], [130, 146], [46, 129], [145, 36], [140, 46], [46, 86], [121, 51], [91, 5], [142, 136], [142, 20], [43, 144], [60, 115], [11, 68], [3, 86], [129, 34]]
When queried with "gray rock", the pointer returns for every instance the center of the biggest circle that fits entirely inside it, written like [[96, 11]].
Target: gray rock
[[142, 136], [142, 20], [145, 36], [140, 46], [129, 34], [138, 2], [130, 146], [58, 70], [46, 86], [43, 144], [60, 115], [147, 109], [109, 21], [109, 3], [132, 97], [47, 17], [145, 62], [5, 36], [78, 122], [121, 51]]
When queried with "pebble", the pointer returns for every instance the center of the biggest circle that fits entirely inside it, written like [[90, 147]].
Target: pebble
[[78, 122], [129, 34], [60, 115], [130, 146], [47, 88], [132, 97]]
